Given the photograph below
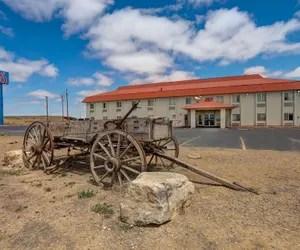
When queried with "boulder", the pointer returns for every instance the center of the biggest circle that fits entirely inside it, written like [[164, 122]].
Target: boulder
[[13, 159], [155, 198]]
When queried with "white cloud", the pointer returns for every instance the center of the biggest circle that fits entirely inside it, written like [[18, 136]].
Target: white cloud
[[32, 102], [297, 14], [167, 8], [140, 62], [91, 92], [78, 14], [293, 74], [6, 55], [97, 79], [261, 70], [200, 3], [255, 70], [81, 81], [103, 80], [21, 69], [7, 31], [131, 41], [176, 75], [41, 93], [49, 71]]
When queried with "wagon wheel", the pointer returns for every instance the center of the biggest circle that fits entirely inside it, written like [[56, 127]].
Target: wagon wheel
[[167, 146], [112, 155], [38, 146]]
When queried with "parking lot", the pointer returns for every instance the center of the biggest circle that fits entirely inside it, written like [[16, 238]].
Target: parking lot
[[280, 139]]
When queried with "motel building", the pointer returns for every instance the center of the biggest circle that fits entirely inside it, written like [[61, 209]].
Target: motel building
[[250, 100]]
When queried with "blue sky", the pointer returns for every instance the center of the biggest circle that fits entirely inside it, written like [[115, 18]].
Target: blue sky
[[94, 46]]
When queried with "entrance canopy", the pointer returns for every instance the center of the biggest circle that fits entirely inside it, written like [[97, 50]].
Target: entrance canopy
[[209, 105]]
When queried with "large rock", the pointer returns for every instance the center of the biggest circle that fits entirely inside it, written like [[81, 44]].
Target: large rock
[[155, 198], [13, 159]]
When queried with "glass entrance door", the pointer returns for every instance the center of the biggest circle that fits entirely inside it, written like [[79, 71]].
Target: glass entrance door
[[209, 119]]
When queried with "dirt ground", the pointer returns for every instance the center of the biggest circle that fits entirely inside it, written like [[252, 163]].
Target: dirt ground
[[40, 211], [27, 120]]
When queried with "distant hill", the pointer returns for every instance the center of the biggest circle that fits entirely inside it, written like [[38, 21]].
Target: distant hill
[[26, 120]]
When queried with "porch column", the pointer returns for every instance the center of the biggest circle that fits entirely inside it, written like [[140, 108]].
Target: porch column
[[223, 118], [193, 118]]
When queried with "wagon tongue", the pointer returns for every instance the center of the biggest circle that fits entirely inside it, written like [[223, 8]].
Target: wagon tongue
[[232, 185]]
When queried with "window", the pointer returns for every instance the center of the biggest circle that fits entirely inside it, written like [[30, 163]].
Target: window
[[134, 116], [173, 116], [209, 99], [220, 99], [261, 97], [261, 117], [92, 111], [288, 116], [288, 96], [92, 106], [119, 104], [150, 103], [236, 117], [188, 100], [104, 117], [236, 99], [92, 118], [119, 117], [172, 101], [104, 105]]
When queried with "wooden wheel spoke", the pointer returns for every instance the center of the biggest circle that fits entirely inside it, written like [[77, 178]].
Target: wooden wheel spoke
[[45, 142], [98, 167], [104, 149], [99, 156], [125, 174], [125, 151], [35, 134], [103, 176], [31, 136], [30, 157], [118, 145], [119, 178], [113, 153], [131, 159], [152, 156], [46, 158], [165, 143], [44, 163], [131, 169]]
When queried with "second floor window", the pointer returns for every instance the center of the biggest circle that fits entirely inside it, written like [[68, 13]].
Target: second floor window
[[220, 99], [261, 97], [172, 101], [236, 99], [119, 104], [188, 100], [288, 96], [92, 106], [104, 105], [150, 103]]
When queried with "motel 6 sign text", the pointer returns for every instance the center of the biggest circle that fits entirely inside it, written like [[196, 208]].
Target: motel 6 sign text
[[4, 77]]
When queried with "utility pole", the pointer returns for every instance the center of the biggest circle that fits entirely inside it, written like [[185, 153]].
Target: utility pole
[[67, 101], [62, 104], [47, 110]]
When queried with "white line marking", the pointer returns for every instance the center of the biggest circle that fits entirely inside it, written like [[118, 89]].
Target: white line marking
[[243, 143], [189, 141], [294, 140]]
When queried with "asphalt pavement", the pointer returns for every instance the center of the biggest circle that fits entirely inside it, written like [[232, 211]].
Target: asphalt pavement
[[13, 130], [280, 139]]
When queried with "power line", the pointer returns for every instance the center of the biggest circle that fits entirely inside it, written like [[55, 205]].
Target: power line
[[62, 104], [67, 100]]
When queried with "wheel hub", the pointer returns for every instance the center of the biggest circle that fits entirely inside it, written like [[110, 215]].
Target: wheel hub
[[112, 164], [35, 149]]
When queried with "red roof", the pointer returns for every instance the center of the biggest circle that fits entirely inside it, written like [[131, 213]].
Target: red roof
[[208, 105], [212, 86]]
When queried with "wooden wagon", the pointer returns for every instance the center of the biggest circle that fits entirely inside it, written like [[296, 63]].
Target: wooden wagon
[[119, 150]]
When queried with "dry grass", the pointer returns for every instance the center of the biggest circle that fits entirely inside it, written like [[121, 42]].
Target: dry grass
[[26, 120]]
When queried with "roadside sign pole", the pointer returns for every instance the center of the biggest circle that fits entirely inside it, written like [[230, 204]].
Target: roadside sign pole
[[4, 79], [1, 105]]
